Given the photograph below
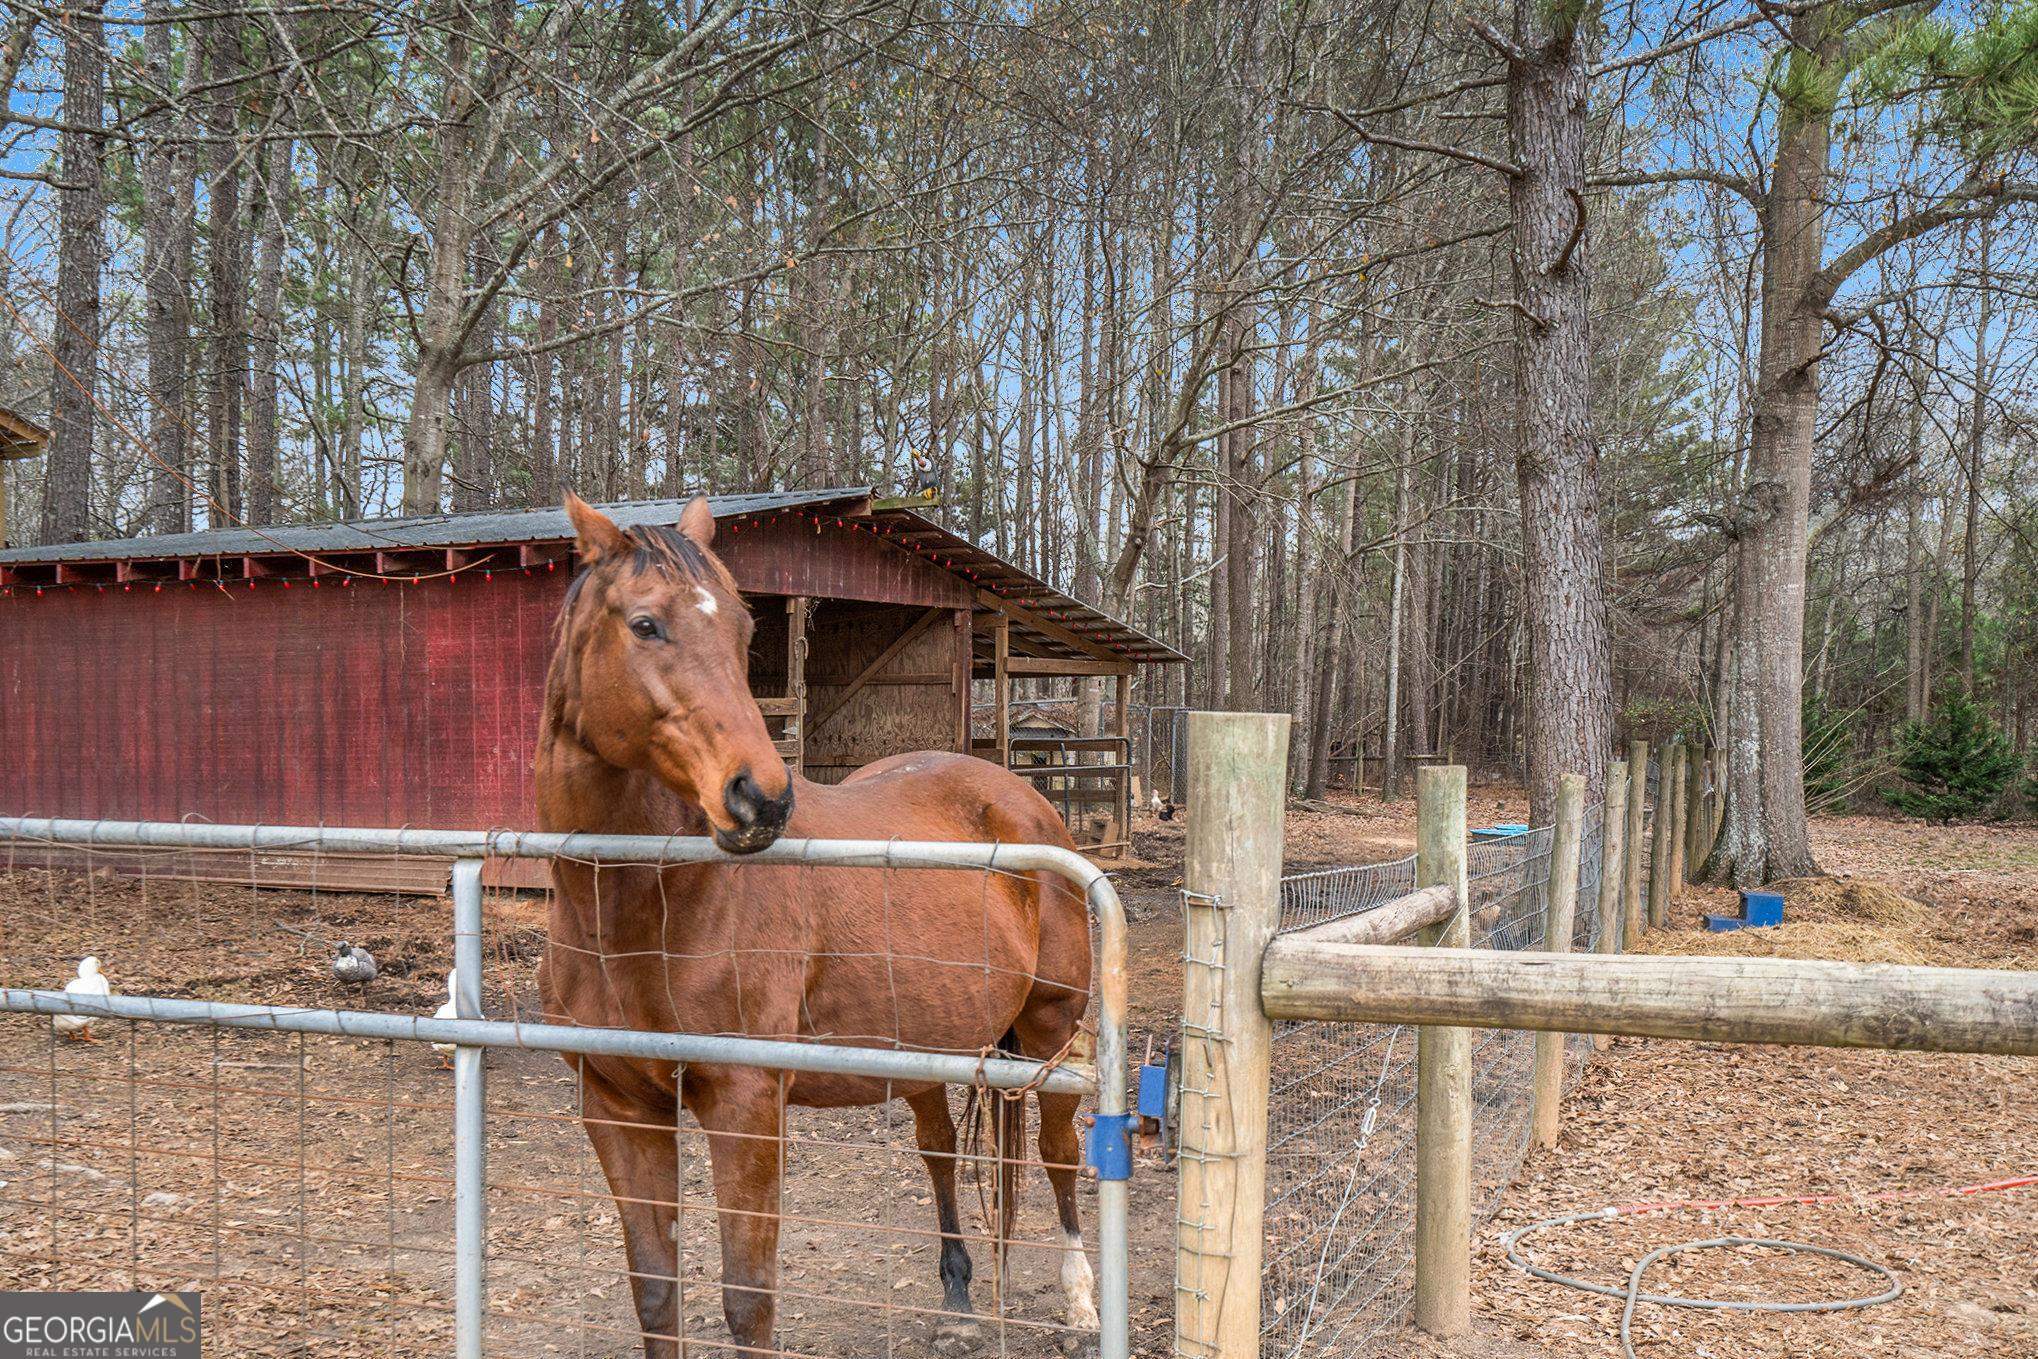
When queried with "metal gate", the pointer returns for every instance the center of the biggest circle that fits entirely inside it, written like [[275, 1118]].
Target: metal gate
[[104, 849]]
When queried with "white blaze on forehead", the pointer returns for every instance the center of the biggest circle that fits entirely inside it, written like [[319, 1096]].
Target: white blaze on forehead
[[704, 601]]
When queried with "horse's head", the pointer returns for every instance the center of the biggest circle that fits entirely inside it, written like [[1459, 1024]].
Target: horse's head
[[652, 672]]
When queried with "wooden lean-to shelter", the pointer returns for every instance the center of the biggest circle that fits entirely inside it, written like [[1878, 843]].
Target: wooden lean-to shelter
[[20, 439]]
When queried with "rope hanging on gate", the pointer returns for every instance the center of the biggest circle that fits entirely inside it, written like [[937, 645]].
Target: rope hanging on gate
[[1008, 1102]]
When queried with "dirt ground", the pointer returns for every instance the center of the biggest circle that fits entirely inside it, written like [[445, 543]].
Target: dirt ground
[[304, 1185], [1654, 1121]]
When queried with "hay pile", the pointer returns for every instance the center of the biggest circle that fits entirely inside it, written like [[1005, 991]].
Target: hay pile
[[1844, 919]]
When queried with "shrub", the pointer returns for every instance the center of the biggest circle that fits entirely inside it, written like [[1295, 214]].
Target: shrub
[[1956, 762]]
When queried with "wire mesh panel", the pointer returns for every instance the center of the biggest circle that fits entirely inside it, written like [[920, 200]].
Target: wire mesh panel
[[306, 1182], [1340, 1211], [1165, 753], [1340, 1146], [302, 1182]]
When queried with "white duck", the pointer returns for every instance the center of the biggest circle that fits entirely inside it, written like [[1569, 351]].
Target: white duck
[[88, 982], [450, 1010]]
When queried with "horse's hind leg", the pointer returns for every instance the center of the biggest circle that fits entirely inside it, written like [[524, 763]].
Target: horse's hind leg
[[642, 1166], [934, 1130], [1061, 1150]]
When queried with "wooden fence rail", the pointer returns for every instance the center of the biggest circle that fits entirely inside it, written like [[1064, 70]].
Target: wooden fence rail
[[1714, 1000]]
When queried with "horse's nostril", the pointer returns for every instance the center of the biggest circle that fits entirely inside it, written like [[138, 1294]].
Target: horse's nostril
[[744, 799]]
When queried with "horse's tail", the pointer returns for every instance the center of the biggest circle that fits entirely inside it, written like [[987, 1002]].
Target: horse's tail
[[1007, 1127]]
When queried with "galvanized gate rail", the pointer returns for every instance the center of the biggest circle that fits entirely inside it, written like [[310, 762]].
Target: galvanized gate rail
[[1107, 1152]]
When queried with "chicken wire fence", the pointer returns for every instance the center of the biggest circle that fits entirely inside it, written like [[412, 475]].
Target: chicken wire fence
[[1340, 1172], [1164, 753], [235, 1118]]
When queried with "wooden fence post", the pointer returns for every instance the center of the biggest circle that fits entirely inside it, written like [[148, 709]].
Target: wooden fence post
[[1631, 886], [1692, 857], [1680, 816], [1613, 825], [1560, 904], [1238, 771], [1660, 853], [1719, 797], [1443, 1079]]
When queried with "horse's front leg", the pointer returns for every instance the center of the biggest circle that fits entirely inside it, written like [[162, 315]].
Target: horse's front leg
[[641, 1162], [743, 1112], [934, 1128]]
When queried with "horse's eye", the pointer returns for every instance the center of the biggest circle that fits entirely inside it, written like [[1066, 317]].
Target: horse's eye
[[645, 626]]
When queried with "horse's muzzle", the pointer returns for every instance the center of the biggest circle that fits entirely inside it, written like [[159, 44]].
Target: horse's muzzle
[[760, 819]]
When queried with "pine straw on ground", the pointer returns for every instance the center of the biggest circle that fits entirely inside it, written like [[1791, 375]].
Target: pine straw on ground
[[1652, 1120], [1844, 918]]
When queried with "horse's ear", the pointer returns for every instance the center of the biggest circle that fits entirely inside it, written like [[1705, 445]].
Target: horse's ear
[[599, 537], [697, 521]]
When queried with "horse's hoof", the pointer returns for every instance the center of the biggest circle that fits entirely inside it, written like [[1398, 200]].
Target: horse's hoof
[[1077, 1344], [958, 1339]]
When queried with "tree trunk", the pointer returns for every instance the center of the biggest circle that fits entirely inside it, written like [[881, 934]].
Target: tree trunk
[[264, 436], [440, 338], [1397, 599], [227, 380], [81, 251], [1977, 431], [1765, 835], [1557, 458], [167, 235]]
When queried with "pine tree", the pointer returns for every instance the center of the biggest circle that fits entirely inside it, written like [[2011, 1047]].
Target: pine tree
[[1957, 762]]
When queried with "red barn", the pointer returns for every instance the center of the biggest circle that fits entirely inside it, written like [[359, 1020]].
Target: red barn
[[389, 672]]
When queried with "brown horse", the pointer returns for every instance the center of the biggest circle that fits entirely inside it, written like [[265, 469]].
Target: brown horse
[[650, 728]]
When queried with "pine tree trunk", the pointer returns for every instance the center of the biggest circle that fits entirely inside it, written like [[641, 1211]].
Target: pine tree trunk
[[440, 339], [1764, 835], [264, 436], [1977, 431], [1557, 458], [81, 251], [167, 235], [225, 277]]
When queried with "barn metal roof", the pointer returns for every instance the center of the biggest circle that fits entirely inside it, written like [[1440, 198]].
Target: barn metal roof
[[428, 530], [1046, 617], [1052, 608]]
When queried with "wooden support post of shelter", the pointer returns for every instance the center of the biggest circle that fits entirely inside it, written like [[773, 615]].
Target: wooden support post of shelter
[[1631, 882], [1560, 906], [1001, 689], [1121, 709], [1443, 1079], [1231, 903], [1613, 824]]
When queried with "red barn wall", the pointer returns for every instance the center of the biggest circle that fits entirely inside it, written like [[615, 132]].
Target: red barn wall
[[369, 705]]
